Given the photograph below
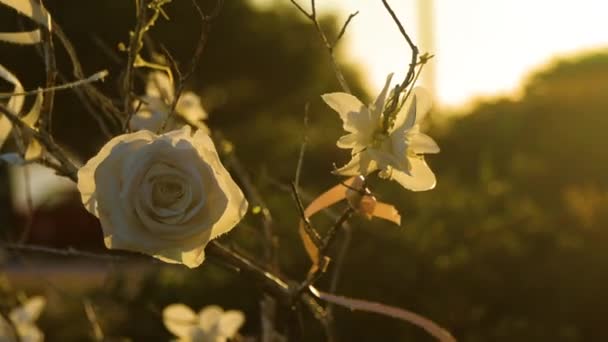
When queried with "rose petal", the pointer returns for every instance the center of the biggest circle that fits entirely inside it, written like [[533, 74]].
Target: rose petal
[[86, 174], [237, 204]]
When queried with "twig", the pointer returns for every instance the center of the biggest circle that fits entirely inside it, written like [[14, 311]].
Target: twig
[[109, 109], [324, 247], [343, 29], [312, 16], [393, 101], [321, 315], [98, 76], [312, 233], [69, 252], [133, 52], [337, 267], [274, 283], [196, 57], [302, 147], [50, 65], [271, 243]]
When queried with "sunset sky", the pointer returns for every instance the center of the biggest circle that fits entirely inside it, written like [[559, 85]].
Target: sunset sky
[[483, 47]]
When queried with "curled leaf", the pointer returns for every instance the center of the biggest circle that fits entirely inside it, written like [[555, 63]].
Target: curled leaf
[[15, 103], [31, 9], [22, 38], [367, 205]]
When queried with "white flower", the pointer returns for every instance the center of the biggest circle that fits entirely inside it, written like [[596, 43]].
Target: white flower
[[212, 324], [156, 104], [23, 319], [164, 195], [398, 153]]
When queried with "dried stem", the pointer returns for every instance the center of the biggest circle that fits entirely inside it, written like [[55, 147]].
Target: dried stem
[[135, 45], [324, 247], [343, 29], [393, 101], [98, 76], [312, 233], [302, 147], [50, 65], [271, 243]]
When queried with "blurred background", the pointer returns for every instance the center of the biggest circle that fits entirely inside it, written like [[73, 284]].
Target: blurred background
[[510, 246]]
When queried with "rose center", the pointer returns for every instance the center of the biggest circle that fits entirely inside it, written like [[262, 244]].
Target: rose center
[[167, 191]]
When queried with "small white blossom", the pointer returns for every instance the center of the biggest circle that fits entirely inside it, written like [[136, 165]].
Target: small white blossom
[[23, 321], [397, 153], [211, 324], [154, 107], [164, 195]]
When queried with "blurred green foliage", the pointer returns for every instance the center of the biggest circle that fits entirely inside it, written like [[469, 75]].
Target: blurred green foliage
[[510, 246]]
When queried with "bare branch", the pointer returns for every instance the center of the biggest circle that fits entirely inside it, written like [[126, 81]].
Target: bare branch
[[98, 76], [69, 252], [312, 233], [343, 30], [302, 147], [50, 65], [196, 57], [134, 47], [393, 101], [88, 91], [330, 47]]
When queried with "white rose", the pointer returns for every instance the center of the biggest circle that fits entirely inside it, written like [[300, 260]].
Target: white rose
[[165, 195]]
